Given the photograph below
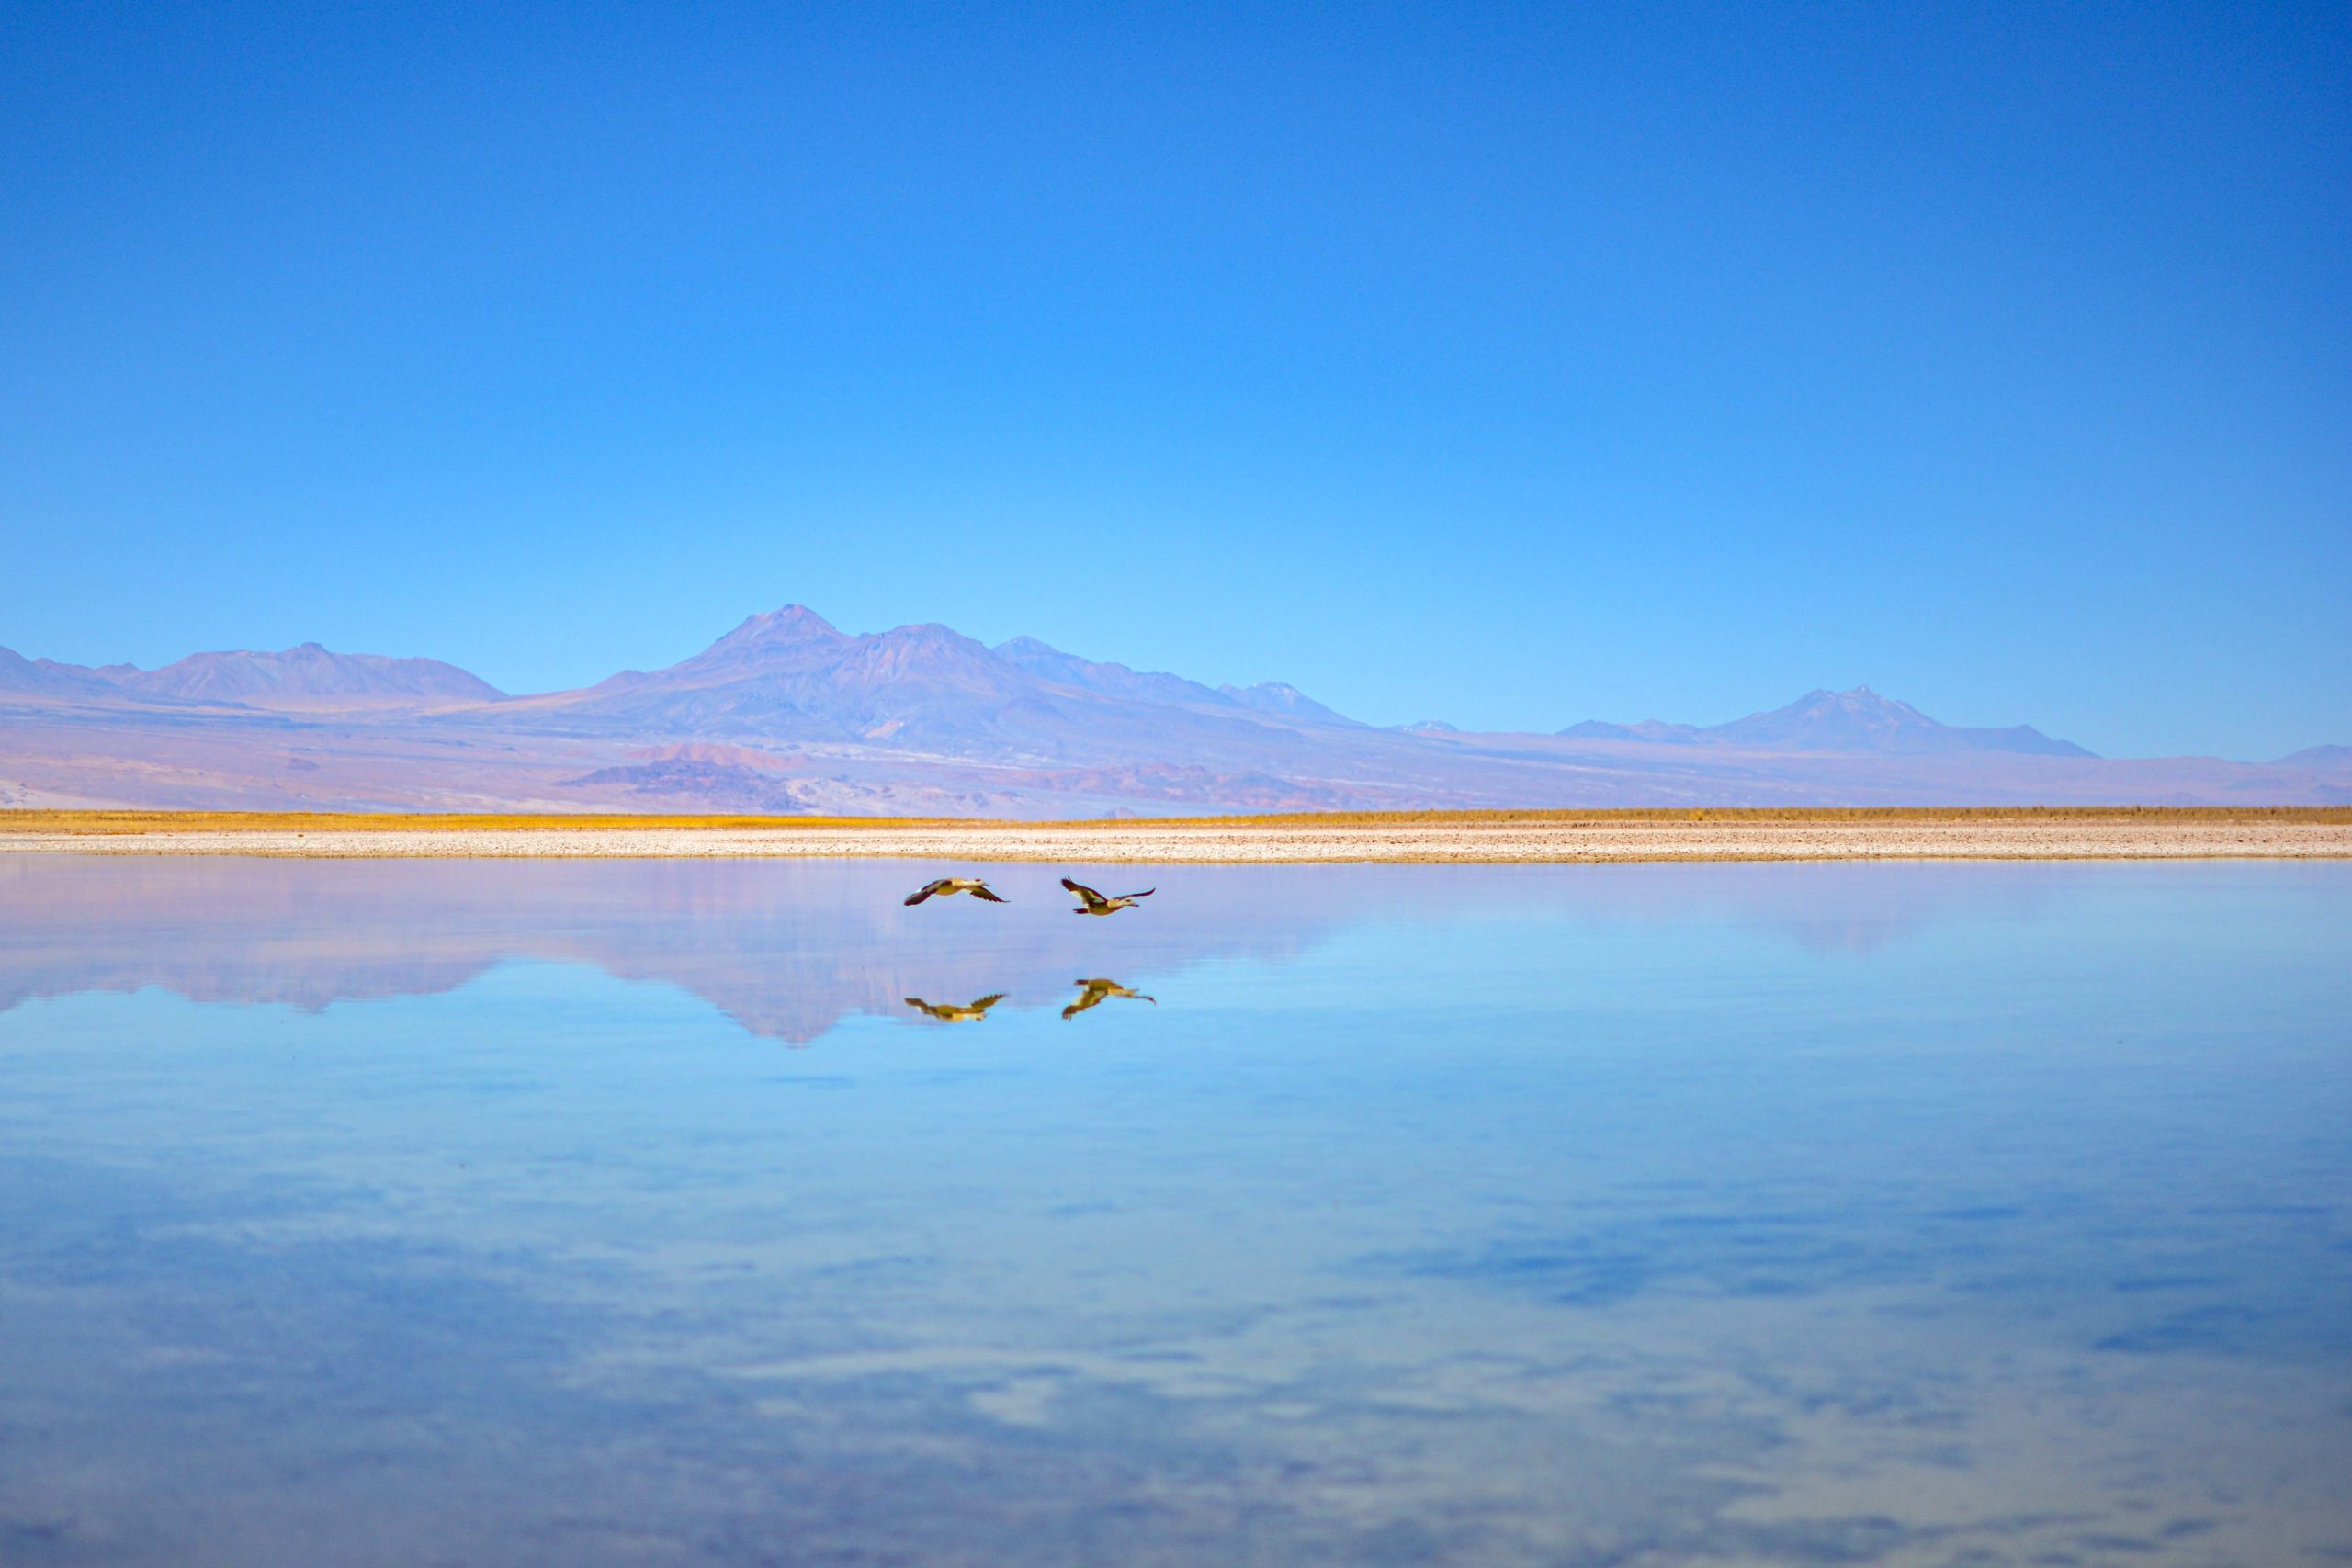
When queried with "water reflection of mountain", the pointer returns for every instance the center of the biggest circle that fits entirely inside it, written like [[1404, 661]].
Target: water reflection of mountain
[[788, 948], [785, 948], [1854, 907]]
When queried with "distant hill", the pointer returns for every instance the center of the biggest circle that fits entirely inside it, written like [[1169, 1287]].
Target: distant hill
[[1273, 696], [1859, 722], [306, 677], [1051, 664], [1649, 729], [2325, 759], [43, 678]]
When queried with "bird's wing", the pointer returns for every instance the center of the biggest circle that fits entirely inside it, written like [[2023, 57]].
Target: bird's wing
[[1087, 895], [984, 1003], [1144, 894], [1090, 999], [926, 890], [983, 891]]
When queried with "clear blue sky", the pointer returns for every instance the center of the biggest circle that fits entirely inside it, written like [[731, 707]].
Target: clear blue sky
[[1508, 365]]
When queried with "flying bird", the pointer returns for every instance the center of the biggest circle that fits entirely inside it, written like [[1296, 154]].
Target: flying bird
[[946, 885], [1089, 902], [948, 1012], [1096, 990]]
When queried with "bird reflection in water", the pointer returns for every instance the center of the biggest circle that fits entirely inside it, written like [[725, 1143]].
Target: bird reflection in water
[[949, 885], [950, 1012], [1094, 992]]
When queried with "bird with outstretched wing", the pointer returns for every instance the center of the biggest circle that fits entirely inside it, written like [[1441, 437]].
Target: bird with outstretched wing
[[1089, 902]]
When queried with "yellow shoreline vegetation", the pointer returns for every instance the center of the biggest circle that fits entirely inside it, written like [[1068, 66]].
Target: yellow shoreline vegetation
[[134, 823]]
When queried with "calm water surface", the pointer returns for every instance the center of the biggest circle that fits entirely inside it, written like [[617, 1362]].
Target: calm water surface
[[585, 1214]]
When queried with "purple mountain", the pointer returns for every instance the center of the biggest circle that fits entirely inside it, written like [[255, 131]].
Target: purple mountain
[[1289, 701], [305, 677], [1049, 664], [791, 677], [1859, 722], [46, 678], [790, 674], [1650, 729]]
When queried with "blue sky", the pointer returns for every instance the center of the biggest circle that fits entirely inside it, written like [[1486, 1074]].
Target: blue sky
[[1508, 365]]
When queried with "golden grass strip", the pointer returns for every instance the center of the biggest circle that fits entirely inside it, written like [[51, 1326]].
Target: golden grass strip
[[128, 823]]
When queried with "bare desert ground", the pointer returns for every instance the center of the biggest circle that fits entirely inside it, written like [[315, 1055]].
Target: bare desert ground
[[2090, 833]]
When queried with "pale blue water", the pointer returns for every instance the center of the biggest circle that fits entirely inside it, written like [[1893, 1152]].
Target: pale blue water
[[583, 1214]]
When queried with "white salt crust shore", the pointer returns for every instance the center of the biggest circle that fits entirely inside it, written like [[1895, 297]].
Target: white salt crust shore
[[1159, 843]]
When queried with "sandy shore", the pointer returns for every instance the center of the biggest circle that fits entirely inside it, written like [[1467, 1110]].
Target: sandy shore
[[1598, 838]]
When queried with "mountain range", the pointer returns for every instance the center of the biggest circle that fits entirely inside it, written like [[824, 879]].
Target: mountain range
[[786, 713], [1856, 721]]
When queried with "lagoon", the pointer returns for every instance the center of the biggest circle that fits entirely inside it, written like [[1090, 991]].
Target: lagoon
[[627, 1212]]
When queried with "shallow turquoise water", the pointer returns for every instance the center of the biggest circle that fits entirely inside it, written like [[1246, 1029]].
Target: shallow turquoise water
[[571, 1213]]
